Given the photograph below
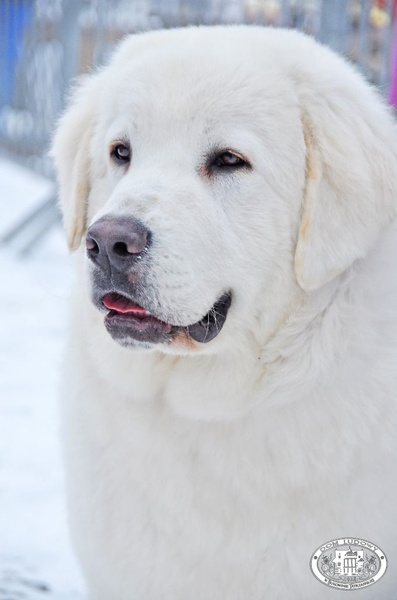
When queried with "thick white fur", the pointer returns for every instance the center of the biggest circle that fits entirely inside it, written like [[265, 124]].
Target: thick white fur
[[212, 472]]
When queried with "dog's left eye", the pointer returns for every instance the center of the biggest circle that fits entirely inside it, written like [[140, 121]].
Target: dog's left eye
[[121, 153], [228, 160]]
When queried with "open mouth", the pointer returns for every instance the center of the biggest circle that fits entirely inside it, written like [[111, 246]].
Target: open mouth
[[128, 319]]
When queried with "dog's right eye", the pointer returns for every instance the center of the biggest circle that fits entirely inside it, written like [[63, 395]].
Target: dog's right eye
[[121, 154]]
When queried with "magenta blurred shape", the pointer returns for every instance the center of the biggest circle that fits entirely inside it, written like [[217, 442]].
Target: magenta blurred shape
[[393, 75]]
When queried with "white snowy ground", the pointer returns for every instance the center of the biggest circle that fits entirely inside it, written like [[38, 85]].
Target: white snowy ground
[[36, 561]]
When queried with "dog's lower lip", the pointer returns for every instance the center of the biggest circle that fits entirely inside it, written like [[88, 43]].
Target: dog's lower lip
[[140, 323], [125, 314], [125, 317], [211, 324]]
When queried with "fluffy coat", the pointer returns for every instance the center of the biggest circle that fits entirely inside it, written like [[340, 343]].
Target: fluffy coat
[[213, 471]]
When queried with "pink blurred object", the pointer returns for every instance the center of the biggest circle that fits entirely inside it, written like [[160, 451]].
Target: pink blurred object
[[393, 78]]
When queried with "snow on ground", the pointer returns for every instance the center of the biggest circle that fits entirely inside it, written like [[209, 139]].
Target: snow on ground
[[36, 561]]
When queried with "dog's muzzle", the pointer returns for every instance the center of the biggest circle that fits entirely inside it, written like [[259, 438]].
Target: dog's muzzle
[[117, 246]]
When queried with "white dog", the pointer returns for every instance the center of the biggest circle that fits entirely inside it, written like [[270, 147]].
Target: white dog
[[230, 388]]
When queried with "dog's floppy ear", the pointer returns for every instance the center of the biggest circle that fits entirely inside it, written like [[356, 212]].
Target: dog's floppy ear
[[351, 171], [70, 151]]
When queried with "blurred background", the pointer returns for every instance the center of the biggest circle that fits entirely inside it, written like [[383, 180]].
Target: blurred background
[[44, 44]]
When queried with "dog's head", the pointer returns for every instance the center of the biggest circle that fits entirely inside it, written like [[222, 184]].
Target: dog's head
[[212, 175]]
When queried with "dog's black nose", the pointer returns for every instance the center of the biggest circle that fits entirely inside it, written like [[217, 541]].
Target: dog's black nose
[[117, 242]]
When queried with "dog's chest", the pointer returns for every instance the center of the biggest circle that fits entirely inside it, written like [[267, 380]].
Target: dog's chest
[[152, 494]]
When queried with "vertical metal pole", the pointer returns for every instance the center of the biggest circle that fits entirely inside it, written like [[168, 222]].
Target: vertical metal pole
[[385, 49], [70, 41], [333, 24], [364, 41], [393, 76], [285, 13]]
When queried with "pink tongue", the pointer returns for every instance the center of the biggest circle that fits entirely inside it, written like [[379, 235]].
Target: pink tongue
[[121, 304]]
